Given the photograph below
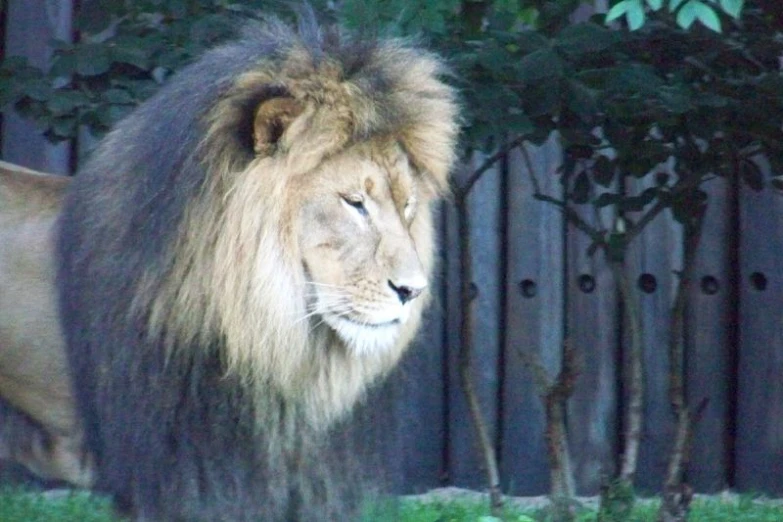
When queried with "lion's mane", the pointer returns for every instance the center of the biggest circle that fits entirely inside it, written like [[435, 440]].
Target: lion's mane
[[180, 281]]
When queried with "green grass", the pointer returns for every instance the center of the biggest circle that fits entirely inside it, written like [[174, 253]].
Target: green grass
[[745, 510], [24, 506]]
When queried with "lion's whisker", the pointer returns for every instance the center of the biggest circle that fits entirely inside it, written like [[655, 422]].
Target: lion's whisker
[[313, 283], [337, 314]]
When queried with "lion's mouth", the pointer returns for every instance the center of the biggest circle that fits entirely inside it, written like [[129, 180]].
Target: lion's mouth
[[364, 337], [366, 324]]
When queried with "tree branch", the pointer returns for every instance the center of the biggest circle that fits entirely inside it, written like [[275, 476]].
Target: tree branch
[[465, 356], [677, 495], [461, 192]]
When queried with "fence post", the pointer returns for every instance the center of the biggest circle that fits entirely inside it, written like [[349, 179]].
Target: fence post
[[534, 314], [593, 333], [652, 259], [759, 421], [708, 323]]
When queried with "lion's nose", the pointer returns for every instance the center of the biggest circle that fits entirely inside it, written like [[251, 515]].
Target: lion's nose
[[407, 292]]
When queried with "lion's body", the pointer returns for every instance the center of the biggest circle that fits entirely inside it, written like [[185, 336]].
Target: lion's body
[[241, 258], [34, 376]]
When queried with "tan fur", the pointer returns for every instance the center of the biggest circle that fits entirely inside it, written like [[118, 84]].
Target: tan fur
[[34, 375]]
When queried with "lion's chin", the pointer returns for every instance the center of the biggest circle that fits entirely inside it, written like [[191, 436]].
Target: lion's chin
[[364, 338]]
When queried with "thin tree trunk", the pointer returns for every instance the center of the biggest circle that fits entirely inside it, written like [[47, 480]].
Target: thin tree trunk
[[562, 488], [554, 396], [677, 495], [634, 377], [617, 494], [466, 348]]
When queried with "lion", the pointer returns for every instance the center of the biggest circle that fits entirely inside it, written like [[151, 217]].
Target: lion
[[40, 429], [241, 258]]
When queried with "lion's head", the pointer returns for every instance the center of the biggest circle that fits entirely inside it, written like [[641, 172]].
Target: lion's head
[[307, 246], [360, 257]]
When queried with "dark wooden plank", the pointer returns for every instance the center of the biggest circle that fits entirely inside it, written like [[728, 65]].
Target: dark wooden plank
[[465, 462], [399, 428], [708, 323], [420, 400], [593, 333], [652, 258], [534, 316], [30, 25], [759, 422]]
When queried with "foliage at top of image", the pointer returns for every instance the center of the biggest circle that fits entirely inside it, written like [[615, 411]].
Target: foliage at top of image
[[126, 51], [687, 11], [709, 102]]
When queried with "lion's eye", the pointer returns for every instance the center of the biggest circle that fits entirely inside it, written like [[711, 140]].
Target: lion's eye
[[357, 202]]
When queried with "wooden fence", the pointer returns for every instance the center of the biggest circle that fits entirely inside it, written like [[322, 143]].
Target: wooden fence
[[535, 286]]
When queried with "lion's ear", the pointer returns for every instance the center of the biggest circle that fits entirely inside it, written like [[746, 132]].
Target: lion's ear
[[272, 118]]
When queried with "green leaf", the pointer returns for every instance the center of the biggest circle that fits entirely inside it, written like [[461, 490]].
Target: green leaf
[[15, 62], [7, 93], [655, 5], [732, 8], [618, 10], [585, 38], [528, 16], [63, 64], [581, 100], [38, 90], [637, 203], [581, 192], [603, 171], [517, 122], [131, 54], [118, 112], [675, 99], [708, 17], [686, 15], [635, 16], [674, 4], [529, 41], [64, 101], [98, 119], [544, 63], [696, 10], [92, 59], [543, 98], [118, 96], [64, 127]]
